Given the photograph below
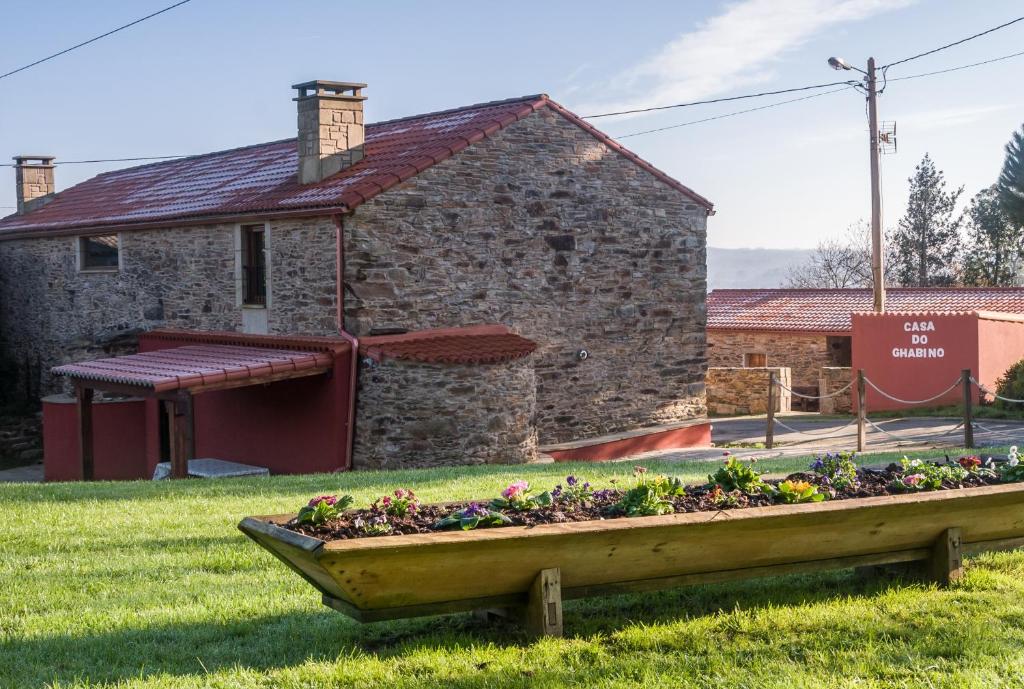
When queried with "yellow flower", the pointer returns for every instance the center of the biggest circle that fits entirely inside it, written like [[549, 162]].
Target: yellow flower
[[795, 486]]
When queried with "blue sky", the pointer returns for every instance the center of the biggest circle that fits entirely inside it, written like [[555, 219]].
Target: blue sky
[[215, 74]]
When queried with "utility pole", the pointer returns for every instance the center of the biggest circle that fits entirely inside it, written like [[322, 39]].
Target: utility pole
[[877, 252]]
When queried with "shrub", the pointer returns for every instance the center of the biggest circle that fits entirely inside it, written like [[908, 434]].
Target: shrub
[[735, 475], [1011, 384], [650, 496]]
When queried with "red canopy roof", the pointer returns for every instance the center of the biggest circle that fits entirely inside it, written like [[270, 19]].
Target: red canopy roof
[[193, 366], [470, 345], [262, 179], [828, 310]]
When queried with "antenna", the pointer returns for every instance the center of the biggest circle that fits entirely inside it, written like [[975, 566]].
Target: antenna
[[887, 138]]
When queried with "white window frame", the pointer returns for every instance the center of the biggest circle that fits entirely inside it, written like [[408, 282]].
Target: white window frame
[[79, 258], [239, 297]]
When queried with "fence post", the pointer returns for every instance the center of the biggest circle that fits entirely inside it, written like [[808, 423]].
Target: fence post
[[769, 434], [862, 411], [968, 399]]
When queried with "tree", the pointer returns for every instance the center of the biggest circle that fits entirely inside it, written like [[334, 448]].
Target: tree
[[926, 241], [843, 261], [1011, 181], [994, 246]]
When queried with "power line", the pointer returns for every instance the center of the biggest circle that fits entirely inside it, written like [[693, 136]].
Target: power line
[[108, 160], [732, 114], [93, 40], [721, 100], [950, 45], [956, 69]]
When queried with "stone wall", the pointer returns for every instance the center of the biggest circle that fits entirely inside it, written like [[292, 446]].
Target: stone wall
[[738, 391], [21, 439], [547, 230], [411, 414], [184, 277], [804, 354], [834, 378]]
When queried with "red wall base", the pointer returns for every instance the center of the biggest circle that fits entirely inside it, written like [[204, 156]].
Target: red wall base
[[119, 432], [697, 435]]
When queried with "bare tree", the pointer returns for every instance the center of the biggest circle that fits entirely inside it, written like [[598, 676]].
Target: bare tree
[[843, 261]]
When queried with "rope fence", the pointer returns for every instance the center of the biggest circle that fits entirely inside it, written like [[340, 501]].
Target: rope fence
[[966, 426]]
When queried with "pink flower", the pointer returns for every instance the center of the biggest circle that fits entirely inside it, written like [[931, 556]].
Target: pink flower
[[913, 479], [329, 499], [515, 490], [386, 500], [726, 453]]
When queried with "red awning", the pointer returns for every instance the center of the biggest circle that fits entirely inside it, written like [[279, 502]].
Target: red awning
[[196, 366]]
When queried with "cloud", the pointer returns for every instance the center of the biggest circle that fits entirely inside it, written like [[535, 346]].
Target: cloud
[[733, 49]]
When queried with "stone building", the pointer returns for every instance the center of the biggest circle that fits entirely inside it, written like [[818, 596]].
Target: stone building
[[513, 212], [810, 331]]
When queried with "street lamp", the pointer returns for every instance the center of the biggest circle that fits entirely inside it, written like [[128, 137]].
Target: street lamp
[[877, 254]]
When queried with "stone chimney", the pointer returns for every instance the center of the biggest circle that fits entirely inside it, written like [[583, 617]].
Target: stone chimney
[[331, 131], [33, 176]]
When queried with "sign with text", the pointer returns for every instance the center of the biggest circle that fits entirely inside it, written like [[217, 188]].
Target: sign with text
[[918, 334]]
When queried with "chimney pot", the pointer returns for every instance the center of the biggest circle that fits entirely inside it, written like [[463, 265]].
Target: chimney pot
[[33, 176], [331, 131]]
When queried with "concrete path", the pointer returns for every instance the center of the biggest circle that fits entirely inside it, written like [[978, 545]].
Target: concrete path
[[33, 473]]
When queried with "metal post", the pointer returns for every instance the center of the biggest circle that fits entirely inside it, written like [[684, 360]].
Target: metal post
[[862, 412], [769, 434], [877, 254], [968, 411]]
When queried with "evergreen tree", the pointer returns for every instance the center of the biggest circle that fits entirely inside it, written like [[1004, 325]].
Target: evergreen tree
[[994, 246], [926, 242], [1011, 181]]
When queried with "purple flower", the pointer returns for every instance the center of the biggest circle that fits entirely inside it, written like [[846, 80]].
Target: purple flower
[[329, 499], [475, 510], [571, 480]]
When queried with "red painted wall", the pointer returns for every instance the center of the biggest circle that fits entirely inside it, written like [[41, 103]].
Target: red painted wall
[[119, 430], [1001, 341], [291, 427], [951, 346]]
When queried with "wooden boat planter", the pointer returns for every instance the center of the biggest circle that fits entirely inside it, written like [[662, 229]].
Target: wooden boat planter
[[533, 569]]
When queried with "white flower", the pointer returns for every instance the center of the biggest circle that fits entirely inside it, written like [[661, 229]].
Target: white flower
[[1012, 461], [1013, 449], [915, 462]]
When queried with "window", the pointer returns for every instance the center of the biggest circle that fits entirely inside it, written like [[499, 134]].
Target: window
[[254, 265], [755, 360], [98, 253]]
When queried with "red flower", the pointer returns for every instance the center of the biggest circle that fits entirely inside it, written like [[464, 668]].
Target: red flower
[[970, 462]]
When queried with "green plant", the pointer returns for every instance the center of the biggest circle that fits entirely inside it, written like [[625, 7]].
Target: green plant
[[575, 491], [376, 525], [735, 475], [650, 495], [404, 502], [792, 492], [323, 508], [1011, 385], [838, 468], [471, 517], [519, 497], [1012, 469], [918, 475]]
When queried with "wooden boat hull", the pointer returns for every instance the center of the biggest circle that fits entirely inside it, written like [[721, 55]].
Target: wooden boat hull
[[404, 576]]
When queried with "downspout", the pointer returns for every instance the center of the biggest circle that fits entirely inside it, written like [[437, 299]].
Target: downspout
[[353, 341]]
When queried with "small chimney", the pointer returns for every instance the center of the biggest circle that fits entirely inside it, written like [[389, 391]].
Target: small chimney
[[34, 177], [331, 131]]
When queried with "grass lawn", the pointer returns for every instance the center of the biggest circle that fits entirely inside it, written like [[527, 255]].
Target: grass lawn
[[148, 584]]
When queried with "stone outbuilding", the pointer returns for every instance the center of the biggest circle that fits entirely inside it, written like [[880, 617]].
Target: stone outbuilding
[[514, 212]]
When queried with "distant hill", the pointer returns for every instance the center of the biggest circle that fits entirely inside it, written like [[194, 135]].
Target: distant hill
[[741, 268]]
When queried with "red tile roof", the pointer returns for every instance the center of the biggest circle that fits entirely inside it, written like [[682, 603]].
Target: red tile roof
[[481, 344], [261, 180], [828, 310], [166, 338], [191, 366]]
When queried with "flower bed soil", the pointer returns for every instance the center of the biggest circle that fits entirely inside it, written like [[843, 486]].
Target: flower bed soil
[[699, 498]]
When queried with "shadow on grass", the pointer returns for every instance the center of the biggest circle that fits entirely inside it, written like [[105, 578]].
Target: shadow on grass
[[274, 642]]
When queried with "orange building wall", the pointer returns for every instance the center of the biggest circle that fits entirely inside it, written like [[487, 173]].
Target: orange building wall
[[1001, 345]]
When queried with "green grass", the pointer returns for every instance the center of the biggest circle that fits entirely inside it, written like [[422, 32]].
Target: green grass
[[150, 585]]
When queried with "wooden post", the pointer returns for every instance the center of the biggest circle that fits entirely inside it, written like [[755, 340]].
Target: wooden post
[[946, 564], [85, 435], [862, 412], [769, 433], [968, 411], [544, 607], [181, 431]]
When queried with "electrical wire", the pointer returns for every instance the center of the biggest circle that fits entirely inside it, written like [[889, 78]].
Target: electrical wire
[[957, 69], [94, 39], [108, 160], [731, 114], [955, 43], [721, 100]]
